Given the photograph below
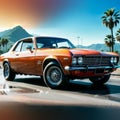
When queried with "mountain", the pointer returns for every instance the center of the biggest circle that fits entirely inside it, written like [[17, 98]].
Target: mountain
[[18, 32], [15, 34]]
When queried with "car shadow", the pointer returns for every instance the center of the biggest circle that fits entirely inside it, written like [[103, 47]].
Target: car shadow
[[31, 80], [87, 87], [77, 86]]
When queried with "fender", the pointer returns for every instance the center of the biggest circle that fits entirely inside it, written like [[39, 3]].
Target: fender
[[51, 59]]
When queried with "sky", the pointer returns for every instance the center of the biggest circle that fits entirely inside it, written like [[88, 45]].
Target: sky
[[78, 20]]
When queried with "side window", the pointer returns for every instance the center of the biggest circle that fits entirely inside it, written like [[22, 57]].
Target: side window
[[18, 47], [27, 43]]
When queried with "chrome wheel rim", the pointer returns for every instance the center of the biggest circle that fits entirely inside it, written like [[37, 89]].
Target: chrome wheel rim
[[6, 70], [54, 75]]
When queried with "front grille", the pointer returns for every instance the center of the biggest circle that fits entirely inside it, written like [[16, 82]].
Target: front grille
[[96, 60]]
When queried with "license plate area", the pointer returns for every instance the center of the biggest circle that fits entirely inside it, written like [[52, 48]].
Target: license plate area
[[99, 71]]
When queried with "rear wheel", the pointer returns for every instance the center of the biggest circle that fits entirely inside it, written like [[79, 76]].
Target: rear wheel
[[8, 73], [53, 76], [100, 80]]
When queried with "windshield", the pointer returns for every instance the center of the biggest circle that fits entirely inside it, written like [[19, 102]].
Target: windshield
[[49, 42]]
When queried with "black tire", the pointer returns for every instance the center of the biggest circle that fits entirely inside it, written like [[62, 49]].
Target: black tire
[[100, 80], [8, 73], [53, 76]]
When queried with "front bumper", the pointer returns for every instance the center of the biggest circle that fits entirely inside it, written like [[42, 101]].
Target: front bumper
[[87, 68]]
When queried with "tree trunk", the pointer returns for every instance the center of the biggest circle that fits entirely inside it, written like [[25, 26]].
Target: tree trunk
[[112, 40], [110, 49]]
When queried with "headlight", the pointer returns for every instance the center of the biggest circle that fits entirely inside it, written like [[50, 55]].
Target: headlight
[[74, 61], [112, 60], [80, 60], [115, 60]]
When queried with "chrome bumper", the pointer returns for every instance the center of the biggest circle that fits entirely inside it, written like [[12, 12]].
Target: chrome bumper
[[73, 68]]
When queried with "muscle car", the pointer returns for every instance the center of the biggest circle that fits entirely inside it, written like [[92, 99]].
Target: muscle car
[[57, 61]]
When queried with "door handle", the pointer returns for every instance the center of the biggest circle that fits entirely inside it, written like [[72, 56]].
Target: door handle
[[17, 54]]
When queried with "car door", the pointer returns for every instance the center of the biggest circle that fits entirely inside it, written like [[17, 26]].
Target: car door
[[24, 58]]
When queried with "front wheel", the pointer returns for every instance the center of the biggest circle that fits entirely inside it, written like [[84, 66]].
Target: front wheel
[[100, 80], [53, 76], [8, 73]]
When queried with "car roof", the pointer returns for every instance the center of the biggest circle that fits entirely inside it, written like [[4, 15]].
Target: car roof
[[40, 37]]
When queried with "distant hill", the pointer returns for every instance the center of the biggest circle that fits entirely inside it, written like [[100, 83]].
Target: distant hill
[[100, 47], [15, 34]]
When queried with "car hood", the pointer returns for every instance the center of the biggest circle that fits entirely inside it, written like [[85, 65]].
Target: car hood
[[84, 52]]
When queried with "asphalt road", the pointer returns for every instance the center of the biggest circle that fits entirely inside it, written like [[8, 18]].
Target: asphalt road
[[28, 98]]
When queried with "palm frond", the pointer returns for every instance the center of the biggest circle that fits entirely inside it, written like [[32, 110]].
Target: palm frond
[[117, 13]]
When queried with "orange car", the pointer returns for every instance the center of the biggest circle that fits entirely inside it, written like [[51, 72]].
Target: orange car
[[57, 61]]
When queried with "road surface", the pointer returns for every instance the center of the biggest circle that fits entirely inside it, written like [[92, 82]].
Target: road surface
[[28, 98]]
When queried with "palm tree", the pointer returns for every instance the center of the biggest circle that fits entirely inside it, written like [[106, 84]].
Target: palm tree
[[108, 42], [6, 42], [3, 43], [110, 20], [0, 44], [118, 35]]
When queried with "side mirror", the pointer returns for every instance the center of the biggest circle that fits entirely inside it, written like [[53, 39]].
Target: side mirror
[[29, 47]]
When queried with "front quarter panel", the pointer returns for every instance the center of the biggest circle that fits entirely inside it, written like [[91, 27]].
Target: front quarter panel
[[44, 56]]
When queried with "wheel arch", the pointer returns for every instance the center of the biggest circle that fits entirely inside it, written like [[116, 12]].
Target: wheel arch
[[52, 61], [5, 61], [8, 73]]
